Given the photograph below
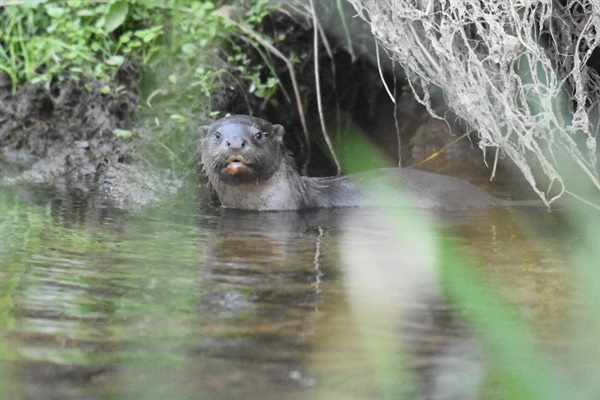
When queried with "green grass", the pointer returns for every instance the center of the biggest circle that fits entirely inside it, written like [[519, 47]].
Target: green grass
[[45, 40]]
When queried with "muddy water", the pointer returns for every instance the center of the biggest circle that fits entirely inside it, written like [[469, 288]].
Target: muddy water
[[183, 301]]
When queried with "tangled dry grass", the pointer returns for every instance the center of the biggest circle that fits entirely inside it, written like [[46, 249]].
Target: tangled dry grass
[[515, 70]]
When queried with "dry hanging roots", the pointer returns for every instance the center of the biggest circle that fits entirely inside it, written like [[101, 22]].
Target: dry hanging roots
[[515, 70]]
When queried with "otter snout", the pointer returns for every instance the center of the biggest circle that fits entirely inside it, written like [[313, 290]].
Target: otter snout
[[236, 142]]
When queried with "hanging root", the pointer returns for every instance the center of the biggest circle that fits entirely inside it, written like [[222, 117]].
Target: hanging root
[[515, 71]]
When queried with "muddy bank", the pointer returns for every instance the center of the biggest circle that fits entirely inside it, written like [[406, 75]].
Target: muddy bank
[[65, 136]]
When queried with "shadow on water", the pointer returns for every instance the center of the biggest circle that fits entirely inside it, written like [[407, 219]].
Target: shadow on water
[[184, 302]]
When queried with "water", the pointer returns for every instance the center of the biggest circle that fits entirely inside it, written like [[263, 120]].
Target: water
[[184, 301]]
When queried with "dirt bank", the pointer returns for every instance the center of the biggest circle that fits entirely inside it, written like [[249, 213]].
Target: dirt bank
[[64, 136]]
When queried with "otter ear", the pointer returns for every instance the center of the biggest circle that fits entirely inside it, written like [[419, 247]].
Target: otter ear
[[203, 131], [277, 131]]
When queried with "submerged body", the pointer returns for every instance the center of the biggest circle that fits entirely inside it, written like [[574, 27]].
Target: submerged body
[[249, 168]]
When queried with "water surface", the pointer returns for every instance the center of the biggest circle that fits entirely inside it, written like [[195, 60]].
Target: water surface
[[184, 301]]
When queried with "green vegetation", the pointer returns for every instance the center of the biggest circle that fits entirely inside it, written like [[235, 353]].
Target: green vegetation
[[192, 43], [46, 39]]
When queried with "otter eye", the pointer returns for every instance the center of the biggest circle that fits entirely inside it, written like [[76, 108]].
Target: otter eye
[[217, 135], [258, 135]]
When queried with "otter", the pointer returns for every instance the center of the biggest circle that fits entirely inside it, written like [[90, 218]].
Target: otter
[[248, 166]]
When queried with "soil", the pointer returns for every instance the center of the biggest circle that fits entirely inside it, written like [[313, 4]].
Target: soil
[[62, 136]]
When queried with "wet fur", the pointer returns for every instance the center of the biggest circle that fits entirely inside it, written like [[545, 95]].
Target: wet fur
[[271, 181]]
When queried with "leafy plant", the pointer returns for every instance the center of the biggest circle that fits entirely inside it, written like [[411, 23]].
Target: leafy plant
[[45, 40]]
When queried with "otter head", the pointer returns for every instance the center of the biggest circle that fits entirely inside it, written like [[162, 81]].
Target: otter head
[[242, 148]]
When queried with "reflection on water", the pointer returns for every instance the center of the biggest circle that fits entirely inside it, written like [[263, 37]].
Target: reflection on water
[[185, 302]]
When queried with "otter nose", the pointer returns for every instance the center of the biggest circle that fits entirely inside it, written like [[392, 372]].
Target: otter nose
[[236, 143]]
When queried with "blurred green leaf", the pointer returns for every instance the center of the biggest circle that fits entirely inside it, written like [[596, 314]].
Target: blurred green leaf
[[123, 133], [115, 60], [116, 15]]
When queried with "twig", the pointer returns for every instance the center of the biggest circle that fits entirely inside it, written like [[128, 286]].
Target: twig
[[291, 70], [589, 203], [496, 157], [387, 89], [318, 86], [586, 171], [440, 151], [426, 53], [396, 125], [346, 30], [156, 92]]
